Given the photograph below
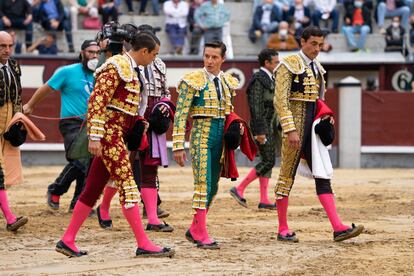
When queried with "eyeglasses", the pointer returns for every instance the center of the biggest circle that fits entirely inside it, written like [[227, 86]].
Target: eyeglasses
[[92, 52]]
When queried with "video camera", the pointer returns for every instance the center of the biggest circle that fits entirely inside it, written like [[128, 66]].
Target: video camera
[[117, 34]]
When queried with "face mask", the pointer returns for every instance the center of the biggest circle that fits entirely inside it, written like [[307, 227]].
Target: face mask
[[358, 4], [283, 32], [92, 63], [395, 24]]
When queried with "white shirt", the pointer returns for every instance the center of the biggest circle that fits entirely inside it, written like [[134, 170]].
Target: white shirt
[[308, 61], [323, 5], [264, 69], [176, 13], [211, 77]]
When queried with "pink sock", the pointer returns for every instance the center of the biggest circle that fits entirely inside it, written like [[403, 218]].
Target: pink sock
[[4, 205], [251, 176], [199, 230], [328, 203], [79, 215], [264, 184], [149, 196], [282, 206], [109, 194], [134, 220], [55, 198]]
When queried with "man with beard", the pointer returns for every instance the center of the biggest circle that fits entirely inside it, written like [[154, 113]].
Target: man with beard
[[75, 83]]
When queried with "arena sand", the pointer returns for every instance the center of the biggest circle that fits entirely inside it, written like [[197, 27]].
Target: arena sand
[[382, 200]]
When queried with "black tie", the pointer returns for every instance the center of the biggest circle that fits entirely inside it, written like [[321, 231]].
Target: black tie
[[313, 69], [141, 83], [6, 81], [217, 84]]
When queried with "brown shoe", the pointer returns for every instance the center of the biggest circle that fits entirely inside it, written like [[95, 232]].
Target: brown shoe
[[20, 221]]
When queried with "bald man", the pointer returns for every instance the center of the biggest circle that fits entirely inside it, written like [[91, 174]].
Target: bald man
[[10, 103]]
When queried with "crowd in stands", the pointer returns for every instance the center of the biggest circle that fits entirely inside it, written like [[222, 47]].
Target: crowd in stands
[[275, 23]]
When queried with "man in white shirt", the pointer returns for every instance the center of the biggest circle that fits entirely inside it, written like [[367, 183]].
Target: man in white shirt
[[176, 12], [324, 9]]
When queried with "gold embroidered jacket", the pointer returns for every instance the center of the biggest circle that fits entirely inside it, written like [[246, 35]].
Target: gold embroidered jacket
[[117, 87], [198, 97], [296, 82]]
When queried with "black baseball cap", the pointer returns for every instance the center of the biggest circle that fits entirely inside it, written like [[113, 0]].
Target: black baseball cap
[[87, 43]]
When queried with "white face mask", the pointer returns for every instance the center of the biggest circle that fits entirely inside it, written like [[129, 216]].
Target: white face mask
[[283, 32], [92, 63], [395, 24]]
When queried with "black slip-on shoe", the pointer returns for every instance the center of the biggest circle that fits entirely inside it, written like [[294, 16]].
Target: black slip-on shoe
[[52, 205], [288, 237], [105, 224], [212, 246], [190, 237], [264, 206], [352, 232], [242, 201], [165, 252], [20, 221], [163, 227], [61, 247]]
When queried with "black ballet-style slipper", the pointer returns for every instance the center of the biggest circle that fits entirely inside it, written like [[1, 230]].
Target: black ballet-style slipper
[[288, 238], [163, 227], [105, 224], [213, 245], [61, 247], [352, 232], [165, 252], [240, 200], [20, 221]]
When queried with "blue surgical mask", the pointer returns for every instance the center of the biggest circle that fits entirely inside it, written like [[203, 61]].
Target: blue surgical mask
[[358, 4]]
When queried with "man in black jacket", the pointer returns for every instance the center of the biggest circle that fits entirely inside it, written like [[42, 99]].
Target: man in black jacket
[[260, 93], [10, 103], [357, 20]]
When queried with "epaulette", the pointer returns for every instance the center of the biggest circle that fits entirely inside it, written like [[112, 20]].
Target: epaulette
[[196, 80], [160, 65], [294, 63], [122, 65], [231, 81]]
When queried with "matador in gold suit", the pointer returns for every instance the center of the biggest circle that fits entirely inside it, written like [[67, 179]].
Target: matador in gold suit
[[112, 114], [300, 83]]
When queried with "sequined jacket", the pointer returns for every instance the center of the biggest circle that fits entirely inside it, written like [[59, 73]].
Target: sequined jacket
[[116, 87], [198, 97], [159, 80], [295, 82], [14, 91]]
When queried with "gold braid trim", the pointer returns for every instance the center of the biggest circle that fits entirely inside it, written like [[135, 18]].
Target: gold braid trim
[[196, 80], [231, 81], [122, 65]]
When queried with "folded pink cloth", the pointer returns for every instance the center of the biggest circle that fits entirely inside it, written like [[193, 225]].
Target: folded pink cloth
[[12, 161]]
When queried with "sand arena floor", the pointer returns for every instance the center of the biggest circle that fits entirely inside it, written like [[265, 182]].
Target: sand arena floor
[[382, 200]]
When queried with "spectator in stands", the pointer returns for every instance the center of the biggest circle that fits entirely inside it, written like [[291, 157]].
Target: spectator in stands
[[195, 30], [85, 7], [357, 20], [283, 40], [176, 12], [155, 7], [283, 5], [325, 9], [266, 19], [391, 8], [130, 7], [18, 47], [394, 37], [44, 46], [17, 14], [412, 31], [108, 8], [211, 16], [51, 15], [299, 15]]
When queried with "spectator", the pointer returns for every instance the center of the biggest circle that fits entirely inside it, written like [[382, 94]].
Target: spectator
[[195, 30], [394, 37], [108, 8], [86, 7], [51, 15], [357, 20], [18, 47], [266, 19], [44, 46], [17, 14], [299, 15], [283, 40], [130, 7], [211, 16], [155, 7], [325, 9], [391, 8], [283, 5], [412, 31], [176, 12]]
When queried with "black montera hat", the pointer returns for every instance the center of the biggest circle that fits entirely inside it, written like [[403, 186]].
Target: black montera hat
[[232, 136], [326, 132], [16, 135]]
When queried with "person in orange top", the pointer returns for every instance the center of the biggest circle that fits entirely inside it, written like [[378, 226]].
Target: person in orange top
[[357, 21], [283, 40]]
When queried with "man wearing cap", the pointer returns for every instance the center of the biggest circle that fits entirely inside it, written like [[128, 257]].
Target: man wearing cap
[[10, 103], [75, 83]]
